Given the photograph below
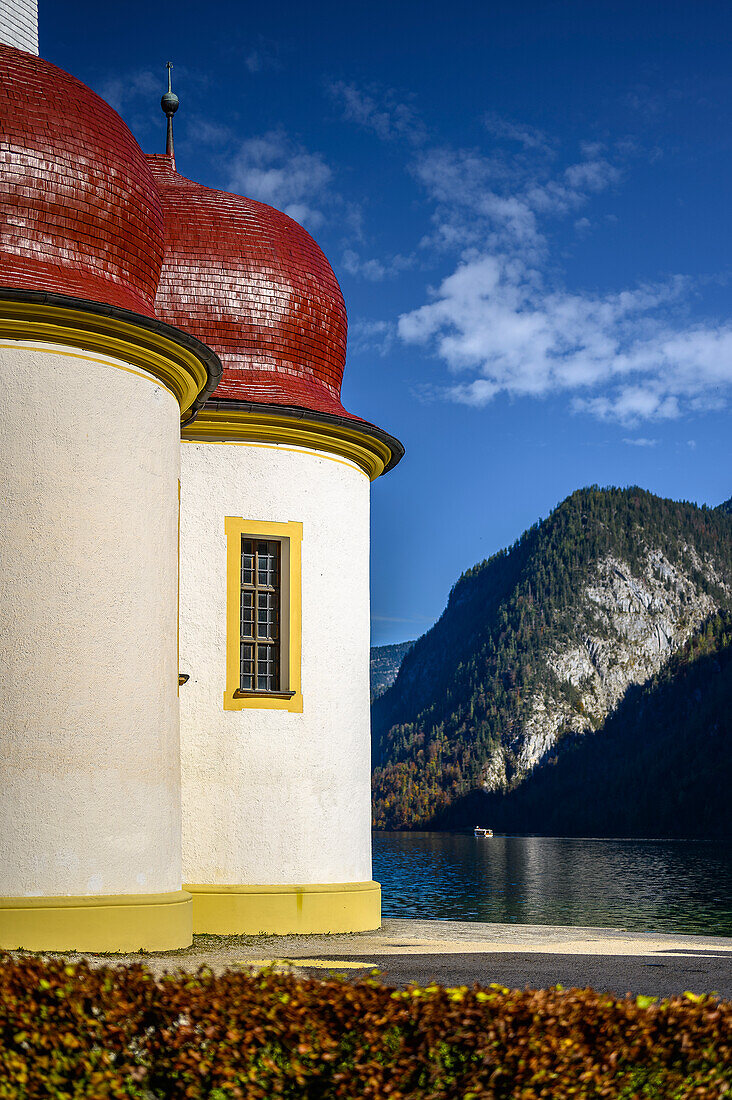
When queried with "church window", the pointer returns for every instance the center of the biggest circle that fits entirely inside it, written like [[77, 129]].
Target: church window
[[260, 615], [263, 615]]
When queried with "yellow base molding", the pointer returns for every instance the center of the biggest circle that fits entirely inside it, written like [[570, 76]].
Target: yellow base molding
[[115, 922], [281, 910]]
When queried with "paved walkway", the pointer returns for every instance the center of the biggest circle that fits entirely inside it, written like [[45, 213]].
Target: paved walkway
[[456, 953]]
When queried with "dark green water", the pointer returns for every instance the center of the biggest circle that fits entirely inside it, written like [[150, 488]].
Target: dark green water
[[639, 885]]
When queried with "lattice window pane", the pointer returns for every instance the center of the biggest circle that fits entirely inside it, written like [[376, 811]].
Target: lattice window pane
[[266, 667], [267, 564], [247, 561], [267, 607], [247, 614], [259, 615], [247, 667]]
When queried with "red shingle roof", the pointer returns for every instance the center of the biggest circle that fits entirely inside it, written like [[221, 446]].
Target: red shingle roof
[[253, 285], [79, 208], [85, 214]]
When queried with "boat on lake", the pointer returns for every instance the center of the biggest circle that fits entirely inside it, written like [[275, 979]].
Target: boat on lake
[[477, 831]]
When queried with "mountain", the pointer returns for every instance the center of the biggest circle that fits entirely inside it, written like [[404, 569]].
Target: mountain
[[660, 766], [539, 644], [726, 507], [385, 664]]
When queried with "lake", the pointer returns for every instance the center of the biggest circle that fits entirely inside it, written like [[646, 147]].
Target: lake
[[639, 885]]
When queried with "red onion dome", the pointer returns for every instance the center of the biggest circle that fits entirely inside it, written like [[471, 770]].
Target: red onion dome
[[80, 210], [254, 286]]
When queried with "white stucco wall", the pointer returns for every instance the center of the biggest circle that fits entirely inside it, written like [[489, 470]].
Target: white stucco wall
[[271, 796], [19, 24], [89, 750]]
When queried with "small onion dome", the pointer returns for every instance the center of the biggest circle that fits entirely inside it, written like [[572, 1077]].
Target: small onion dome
[[254, 286], [81, 214]]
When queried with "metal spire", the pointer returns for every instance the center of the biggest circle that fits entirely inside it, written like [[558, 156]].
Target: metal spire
[[169, 103]]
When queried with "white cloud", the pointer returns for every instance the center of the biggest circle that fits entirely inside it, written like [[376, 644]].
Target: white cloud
[[371, 337], [496, 201], [374, 270], [502, 322], [527, 136], [200, 131], [278, 171], [591, 175], [641, 441], [495, 321], [121, 91], [379, 110], [631, 404]]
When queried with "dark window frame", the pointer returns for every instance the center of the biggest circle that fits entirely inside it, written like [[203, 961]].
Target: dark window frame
[[260, 612]]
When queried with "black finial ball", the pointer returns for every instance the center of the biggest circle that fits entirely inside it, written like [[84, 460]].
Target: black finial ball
[[169, 103]]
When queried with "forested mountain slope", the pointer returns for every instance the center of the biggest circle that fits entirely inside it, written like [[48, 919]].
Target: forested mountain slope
[[661, 766], [541, 642], [386, 661]]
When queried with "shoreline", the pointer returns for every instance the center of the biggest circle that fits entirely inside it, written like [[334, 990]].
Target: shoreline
[[467, 830], [408, 951]]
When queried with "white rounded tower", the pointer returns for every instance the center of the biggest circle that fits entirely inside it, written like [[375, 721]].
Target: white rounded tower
[[127, 819], [93, 389], [274, 628]]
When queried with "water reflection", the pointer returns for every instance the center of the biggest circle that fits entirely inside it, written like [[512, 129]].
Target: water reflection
[[674, 886]]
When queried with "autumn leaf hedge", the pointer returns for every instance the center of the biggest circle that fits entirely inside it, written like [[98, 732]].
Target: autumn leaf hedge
[[73, 1031]]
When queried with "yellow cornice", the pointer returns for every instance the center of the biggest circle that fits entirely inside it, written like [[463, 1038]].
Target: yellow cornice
[[249, 426], [174, 365]]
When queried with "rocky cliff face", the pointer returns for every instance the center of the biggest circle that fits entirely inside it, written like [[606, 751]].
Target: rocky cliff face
[[634, 622], [660, 766]]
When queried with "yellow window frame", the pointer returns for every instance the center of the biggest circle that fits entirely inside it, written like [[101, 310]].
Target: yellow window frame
[[290, 536]]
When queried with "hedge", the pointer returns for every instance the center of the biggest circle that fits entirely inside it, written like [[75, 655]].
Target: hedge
[[73, 1031]]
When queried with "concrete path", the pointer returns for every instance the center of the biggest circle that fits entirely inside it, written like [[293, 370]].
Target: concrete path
[[457, 953]]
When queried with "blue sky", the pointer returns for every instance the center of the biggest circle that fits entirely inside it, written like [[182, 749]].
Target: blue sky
[[527, 206]]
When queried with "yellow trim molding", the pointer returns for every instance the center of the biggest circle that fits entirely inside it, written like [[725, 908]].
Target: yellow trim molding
[[114, 922], [241, 426], [286, 910], [279, 447], [290, 535], [173, 365]]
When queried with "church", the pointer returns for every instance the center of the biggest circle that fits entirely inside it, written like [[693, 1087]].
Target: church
[[184, 547]]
